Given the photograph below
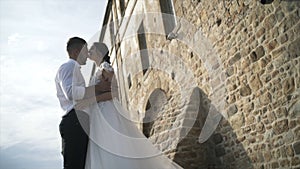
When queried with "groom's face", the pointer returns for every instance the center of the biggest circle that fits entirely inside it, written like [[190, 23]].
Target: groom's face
[[83, 54]]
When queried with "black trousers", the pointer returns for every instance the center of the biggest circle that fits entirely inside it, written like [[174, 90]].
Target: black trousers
[[73, 129]]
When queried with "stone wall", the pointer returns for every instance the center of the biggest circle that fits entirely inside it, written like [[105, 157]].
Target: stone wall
[[239, 56]]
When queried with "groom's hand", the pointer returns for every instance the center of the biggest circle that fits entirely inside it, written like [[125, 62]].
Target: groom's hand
[[104, 97], [82, 104], [103, 86]]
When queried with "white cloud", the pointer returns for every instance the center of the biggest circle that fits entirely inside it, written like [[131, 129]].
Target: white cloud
[[28, 102], [14, 38], [41, 46]]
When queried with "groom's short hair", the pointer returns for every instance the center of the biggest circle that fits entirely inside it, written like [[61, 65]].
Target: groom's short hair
[[75, 43]]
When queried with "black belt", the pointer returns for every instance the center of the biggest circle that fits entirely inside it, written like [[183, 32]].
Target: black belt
[[69, 113]]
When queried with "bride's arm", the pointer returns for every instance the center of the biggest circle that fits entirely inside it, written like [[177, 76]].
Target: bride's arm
[[110, 77], [107, 75], [104, 97]]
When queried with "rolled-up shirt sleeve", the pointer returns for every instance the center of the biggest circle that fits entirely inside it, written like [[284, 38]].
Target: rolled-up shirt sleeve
[[78, 84], [72, 83]]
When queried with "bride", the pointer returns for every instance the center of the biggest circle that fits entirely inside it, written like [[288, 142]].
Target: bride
[[115, 141]]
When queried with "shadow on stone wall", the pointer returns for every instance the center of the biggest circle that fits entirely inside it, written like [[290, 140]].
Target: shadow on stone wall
[[212, 154]]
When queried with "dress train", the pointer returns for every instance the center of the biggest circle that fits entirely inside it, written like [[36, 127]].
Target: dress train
[[116, 143]]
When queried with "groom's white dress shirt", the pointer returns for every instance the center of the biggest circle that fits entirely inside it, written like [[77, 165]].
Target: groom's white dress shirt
[[70, 85]]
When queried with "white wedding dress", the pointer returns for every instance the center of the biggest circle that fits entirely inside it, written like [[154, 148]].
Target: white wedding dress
[[115, 141]]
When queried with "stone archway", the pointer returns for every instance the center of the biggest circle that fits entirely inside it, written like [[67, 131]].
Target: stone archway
[[155, 104]]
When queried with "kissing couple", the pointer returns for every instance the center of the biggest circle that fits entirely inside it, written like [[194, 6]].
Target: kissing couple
[[96, 131]]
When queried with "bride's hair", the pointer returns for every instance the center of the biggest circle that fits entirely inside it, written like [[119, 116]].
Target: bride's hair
[[101, 47]]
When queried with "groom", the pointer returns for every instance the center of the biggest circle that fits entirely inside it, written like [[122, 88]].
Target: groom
[[71, 90]]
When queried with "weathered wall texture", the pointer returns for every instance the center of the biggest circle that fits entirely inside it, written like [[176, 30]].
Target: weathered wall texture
[[242, 53]]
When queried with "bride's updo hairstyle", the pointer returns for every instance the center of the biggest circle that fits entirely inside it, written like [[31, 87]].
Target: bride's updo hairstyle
[[102, 48]]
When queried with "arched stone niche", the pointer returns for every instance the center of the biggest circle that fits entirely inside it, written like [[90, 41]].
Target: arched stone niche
[[155, 105]]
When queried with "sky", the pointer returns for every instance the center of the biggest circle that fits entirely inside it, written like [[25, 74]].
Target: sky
[[32, 47]]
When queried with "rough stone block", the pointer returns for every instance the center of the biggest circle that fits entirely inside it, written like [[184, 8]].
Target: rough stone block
[[293, 48], [294, 111], [284, 163], [260, 127], [288, 86], [237, 121], [255, 83], [234, 59], [296, 147], [270, 21], [245, 90], [232, 110], [217, 138], [272, 45], [295, 161], [281, 126]]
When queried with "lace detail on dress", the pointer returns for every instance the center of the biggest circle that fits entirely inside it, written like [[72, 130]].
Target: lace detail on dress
[[96, 77], [106, 66]]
